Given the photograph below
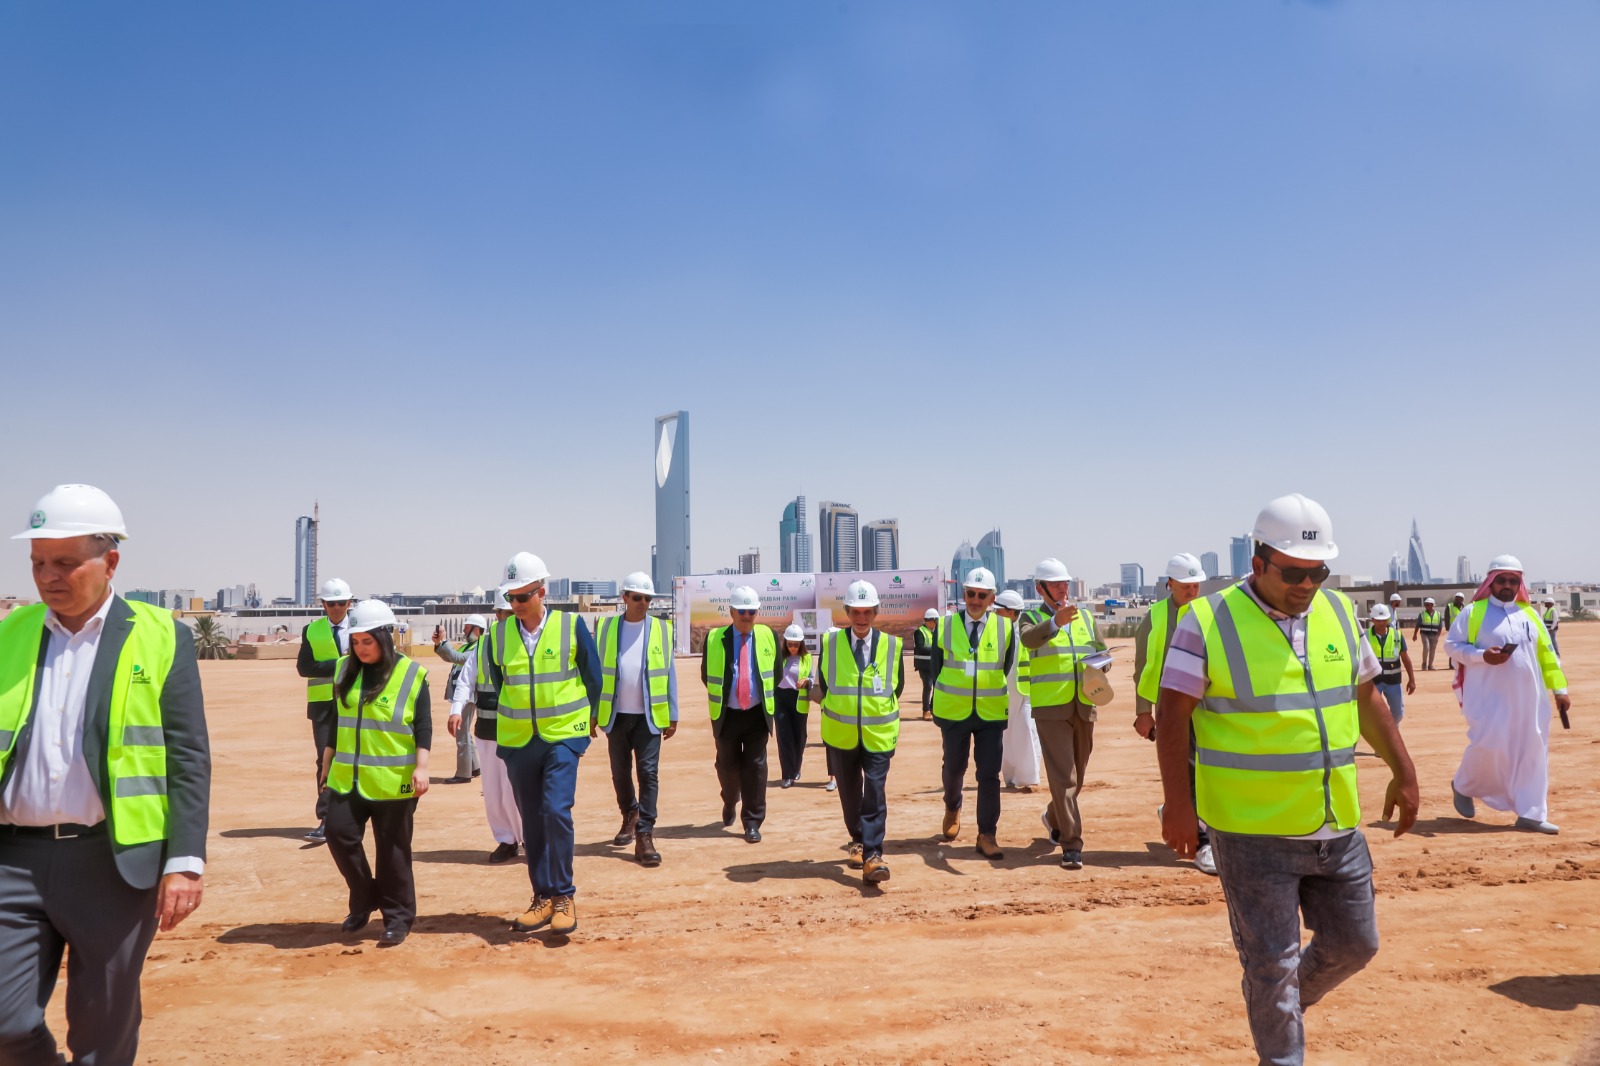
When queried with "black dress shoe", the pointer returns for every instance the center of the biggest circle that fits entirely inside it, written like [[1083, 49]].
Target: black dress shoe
[[477, 773], [503, 853], [727, 815], [752, 835], [456, 780], [354, 923], [393, 937]]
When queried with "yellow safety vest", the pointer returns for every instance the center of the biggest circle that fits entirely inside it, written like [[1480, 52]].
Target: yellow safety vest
[[764, 658], [374, 749], [801, 704], [854, 713], [972, 679], [1053, 667], [1162, 625], [546, 694], [657, 668], [487, 662], [324, 647], [1549, 661]]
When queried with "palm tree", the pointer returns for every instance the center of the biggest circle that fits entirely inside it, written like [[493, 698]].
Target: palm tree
[[209, 641]]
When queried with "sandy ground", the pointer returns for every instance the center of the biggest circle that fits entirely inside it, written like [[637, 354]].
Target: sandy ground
[[775, 952]]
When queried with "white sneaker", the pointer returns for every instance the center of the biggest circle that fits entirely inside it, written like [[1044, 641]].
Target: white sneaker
[[1206, 862], [1159, 811]]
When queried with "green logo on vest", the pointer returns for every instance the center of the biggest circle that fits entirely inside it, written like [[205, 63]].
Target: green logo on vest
[[139, 676], [1334, 655], [36, 520], [549, 653]]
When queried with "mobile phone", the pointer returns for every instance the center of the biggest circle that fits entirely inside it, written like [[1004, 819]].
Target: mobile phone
[[1508, 648]]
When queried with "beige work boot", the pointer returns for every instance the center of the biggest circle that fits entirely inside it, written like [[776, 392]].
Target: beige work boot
[[988, 847], [855, 856], [537, 916], [952, 824], [876, 870], [565, 918]]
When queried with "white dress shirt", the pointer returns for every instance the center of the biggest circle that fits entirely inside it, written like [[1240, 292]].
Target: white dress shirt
[[341, 634]]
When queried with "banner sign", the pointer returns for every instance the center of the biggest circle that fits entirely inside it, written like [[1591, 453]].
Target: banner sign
[[904, 597], [700, 603]]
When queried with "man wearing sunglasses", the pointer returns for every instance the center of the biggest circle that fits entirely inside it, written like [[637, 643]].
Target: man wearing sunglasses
[[739, 669], [638, 710], [1278, 684], [321, 644], [1507, 670]]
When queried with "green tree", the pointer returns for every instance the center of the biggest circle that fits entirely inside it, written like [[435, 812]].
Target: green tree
[[209, 641]]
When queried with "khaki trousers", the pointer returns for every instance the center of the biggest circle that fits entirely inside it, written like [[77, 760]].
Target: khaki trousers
[[1066, 737]]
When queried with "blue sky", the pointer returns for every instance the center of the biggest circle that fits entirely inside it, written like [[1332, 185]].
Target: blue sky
[[439, 266]]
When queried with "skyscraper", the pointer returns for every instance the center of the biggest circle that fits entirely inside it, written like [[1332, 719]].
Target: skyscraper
[[1397, 570], [1132, 578], [838, 523], [305, 559], [993, 556], [963, 562], [672, 500], [1464, 571], [1239, 552], [750, 561], [794, 543], [1417, 571], [880, 545], [1210, 564]]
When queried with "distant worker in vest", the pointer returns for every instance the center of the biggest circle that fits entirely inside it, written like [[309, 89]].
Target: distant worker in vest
[[1019, 752], [472, 629], [1552, 621], [546, 671], [105, 777], [1453, 610], [1059, 637], [924, 641], [322, 643], [475, 686], [976, 651], [1389, 645], [793, 696], [1150, 642], [738, 669], [377, 770], [1430, 624], [638, 710], [1507, 670], [860, 678], [1286, 682], [1394, 608]]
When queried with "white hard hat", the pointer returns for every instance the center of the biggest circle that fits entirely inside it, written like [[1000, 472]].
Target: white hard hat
[[369, 615], [334, 589], [743, 598], [1051, 569], [861, 594], [794, 632], [1296, 526], [1427, 601], [639, 581], [1549, 599], [524, 568], [1394, 597], [1461, 595], [930, 613], [1506, 562], [476, 620], [1010, 599], [500, 601], [1379, 613], [979, 579], [1186, 568], [74, 511]]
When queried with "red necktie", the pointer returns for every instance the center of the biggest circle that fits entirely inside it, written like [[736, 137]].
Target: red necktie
[[746, 695]]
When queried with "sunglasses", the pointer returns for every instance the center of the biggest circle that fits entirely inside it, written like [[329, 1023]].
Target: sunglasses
[[978, 594], [744, 613], [1508, 579], [1297, 575], [335, 603], [522, 597], [637, 597]]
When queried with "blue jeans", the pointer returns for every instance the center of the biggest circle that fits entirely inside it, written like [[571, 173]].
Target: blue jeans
[[544, 778], [1269, 882], [1396, 695]]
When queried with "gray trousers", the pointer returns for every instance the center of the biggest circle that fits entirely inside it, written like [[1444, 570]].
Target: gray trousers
[[57, 894], [466, 750]]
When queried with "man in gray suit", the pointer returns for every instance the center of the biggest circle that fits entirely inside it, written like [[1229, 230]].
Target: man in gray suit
[[105, 776]]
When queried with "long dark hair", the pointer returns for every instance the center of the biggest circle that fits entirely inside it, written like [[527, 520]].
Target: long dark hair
[[374, 677]]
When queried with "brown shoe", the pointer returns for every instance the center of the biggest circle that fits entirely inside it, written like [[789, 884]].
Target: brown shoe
[[855, 856], [875, 871], [952, 824], [564, 918], [630, 822], [644, 849], [988, 848], [537, 916]]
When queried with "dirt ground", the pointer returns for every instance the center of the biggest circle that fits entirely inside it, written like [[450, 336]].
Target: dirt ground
[[774, 953]]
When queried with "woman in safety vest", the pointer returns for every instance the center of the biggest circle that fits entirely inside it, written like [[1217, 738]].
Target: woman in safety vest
[[794, 681], [377, 768]]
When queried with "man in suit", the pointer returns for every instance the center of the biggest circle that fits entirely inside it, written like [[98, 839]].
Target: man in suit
[[739, 669], [105, 776], [321, 644]]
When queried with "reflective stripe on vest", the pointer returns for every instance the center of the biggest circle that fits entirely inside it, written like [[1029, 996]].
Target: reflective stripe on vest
[[657, 667], [324, 647], [136, 752], [374, 749], [852, 714], [1428, 621], [1053, 667], [1163, 623], [764, 657], [1549, 662], [1276, 737], [956, 693], [547, 694]]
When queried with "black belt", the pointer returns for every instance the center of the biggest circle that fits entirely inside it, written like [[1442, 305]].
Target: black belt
[[63, 831]]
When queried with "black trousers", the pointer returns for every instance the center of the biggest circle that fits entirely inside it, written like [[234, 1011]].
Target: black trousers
[[633, 746], [393, 890], [742, 762], [926, 673], [60, 893], [790, 725], [984, 743], [863, 776], [324, 723]]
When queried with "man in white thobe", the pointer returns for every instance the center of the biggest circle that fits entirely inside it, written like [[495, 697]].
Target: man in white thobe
[[1505, 665], [1019, 755]]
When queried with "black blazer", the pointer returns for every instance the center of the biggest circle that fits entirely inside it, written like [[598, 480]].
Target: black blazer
[[727, 678], [183, 720]]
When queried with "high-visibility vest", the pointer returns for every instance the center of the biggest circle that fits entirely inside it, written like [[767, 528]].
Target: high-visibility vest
[[924, 647], [972, 678], [1428, 621], [1552, 619], [1387, 649], [1053, 667], [657, 668], [488, 692], [136, 749], [802, 705], [764, 657], [1549, 661], [1451, 613], [374, 749], [547, 693], [853, 713], [1163, 622], [323, 648], [1275, 737]]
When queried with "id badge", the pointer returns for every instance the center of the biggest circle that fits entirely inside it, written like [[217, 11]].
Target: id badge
[[877, 686], [972, 669]]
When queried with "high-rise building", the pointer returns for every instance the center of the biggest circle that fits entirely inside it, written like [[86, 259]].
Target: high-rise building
[[963, 562], [672, 500], [1397, 570], [794, 543], [1464, 575], [1417, 572], [558, 588], [1132, 578], [993, 556], [1210, 564], [305, 559], [838, 524], [150, 596], [880, 545], [604, 589], [750, 561], [230, 599], [1239, 552]]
